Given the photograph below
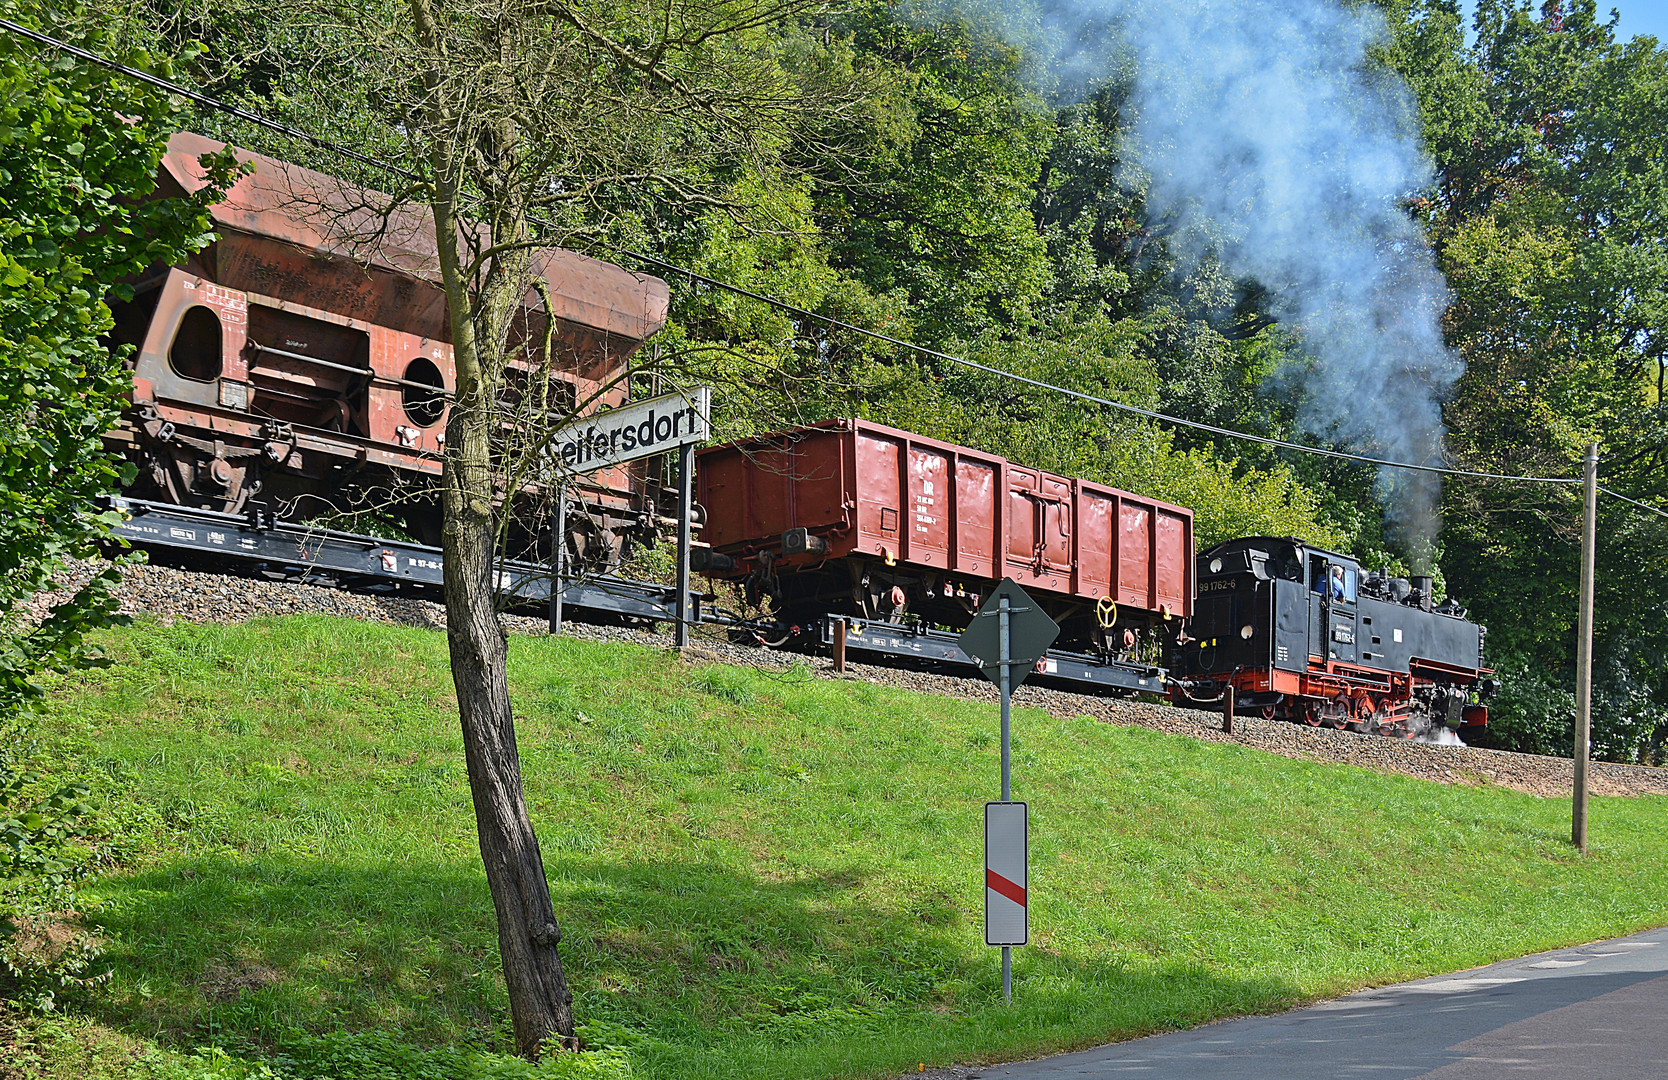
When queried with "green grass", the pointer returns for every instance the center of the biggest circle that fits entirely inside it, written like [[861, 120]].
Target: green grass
[[759, 874]]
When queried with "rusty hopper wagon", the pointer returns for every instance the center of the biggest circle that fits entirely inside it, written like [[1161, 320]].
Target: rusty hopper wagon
[[849, 517], [304, 357]]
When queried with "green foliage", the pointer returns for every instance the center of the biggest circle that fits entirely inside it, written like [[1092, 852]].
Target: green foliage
[[1550, 218], [78, 156], [1531, 714]]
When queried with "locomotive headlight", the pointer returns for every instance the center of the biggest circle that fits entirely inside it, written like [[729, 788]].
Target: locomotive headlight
[[1216, 566], [1245, 632]]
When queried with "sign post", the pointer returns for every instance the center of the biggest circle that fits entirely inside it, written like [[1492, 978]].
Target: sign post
[[638, 429], [686, 496], [1010, 631]]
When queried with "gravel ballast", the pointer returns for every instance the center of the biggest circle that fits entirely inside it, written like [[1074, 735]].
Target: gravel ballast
[[169, 594]]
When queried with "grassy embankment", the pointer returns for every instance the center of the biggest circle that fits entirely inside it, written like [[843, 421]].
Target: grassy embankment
[[760, 875]]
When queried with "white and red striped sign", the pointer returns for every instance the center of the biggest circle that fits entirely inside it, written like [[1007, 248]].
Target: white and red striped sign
[[1007, 857]]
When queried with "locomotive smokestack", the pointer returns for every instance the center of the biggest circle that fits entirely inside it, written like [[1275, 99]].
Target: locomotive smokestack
[[1422, 588]]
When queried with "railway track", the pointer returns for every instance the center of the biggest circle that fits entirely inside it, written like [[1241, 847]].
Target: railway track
[[288, 569], [253, 544]]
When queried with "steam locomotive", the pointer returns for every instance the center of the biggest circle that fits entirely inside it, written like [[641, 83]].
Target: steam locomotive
[[1300, 633]]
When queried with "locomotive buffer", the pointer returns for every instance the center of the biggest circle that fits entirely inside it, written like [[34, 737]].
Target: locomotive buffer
[[1006, 639]]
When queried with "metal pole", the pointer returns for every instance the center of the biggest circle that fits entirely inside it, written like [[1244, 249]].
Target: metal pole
[[1584, 650], [1002, 660], [686, 499], [558, 556], [1005, 648], [1228, 696], [839, 646]]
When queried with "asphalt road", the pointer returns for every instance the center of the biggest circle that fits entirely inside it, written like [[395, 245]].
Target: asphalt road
[[1595, 1012]]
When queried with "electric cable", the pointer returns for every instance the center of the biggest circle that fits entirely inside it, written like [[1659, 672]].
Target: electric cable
[[1635, 502]]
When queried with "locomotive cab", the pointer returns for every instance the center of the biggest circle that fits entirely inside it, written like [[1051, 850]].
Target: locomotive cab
[[1305, 634]]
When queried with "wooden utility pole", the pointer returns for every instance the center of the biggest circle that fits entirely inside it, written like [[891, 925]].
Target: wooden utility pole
[[1584, 650]]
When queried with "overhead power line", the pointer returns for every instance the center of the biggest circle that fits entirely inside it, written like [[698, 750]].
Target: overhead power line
[[1635, 502], [799, 312]]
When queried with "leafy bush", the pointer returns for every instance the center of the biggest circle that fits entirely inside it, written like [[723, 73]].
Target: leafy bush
[[1535, 714], [1627, 723], [79, 152], [1532, 714]]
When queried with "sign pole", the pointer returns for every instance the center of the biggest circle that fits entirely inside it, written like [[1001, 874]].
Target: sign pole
[[1007, 692], [1003, 636], [558, 549], [1010, 631], [686, 496], [1584, 650]]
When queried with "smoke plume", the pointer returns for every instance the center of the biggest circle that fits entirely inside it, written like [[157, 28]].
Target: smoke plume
[[1272, 142]]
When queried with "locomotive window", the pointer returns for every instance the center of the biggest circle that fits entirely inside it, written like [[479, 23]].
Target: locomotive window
[[195, 353], [1325, 579], [424, 394]]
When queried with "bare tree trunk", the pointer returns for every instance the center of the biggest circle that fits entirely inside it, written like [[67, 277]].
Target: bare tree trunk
[[541, 1008]]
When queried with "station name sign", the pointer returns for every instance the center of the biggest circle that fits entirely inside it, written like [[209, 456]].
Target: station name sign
[[636, 430]]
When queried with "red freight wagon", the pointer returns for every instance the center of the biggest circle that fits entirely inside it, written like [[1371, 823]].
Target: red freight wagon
[[855, 518], [305, 356]]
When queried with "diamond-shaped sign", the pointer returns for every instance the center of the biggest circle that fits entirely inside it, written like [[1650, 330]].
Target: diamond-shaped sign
[[1030, 633]]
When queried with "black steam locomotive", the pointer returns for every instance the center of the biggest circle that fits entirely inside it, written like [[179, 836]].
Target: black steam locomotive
[[1298, 633]]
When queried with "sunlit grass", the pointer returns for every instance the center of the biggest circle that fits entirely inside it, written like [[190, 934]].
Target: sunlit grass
[[760, 873]]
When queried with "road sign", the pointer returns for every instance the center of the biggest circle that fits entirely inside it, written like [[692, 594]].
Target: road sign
[[637, 430], [1030, 633], [1007, 872]]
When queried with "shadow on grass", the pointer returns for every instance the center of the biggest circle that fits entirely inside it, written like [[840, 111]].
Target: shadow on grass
[[680, 963]]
